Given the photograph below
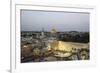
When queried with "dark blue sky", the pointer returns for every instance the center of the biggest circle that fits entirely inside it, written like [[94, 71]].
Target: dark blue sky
[[61, 21]]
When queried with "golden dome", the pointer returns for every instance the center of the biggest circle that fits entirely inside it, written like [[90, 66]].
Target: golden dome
[[53, 30]]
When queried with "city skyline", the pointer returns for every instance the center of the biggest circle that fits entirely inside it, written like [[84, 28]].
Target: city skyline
[[62, 21]]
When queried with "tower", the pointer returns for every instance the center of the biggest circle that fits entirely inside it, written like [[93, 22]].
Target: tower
[[42, 33]]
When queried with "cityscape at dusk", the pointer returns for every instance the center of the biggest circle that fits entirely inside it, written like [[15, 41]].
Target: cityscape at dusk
[[54, 36]]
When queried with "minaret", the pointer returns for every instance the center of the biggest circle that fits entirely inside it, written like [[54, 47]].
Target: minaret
[[42, 38], [42, 33]]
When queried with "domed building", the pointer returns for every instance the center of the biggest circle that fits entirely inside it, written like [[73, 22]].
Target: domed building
[[53, 33]]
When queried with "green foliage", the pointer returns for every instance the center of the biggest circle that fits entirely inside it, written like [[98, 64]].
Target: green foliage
[[80, 37]]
